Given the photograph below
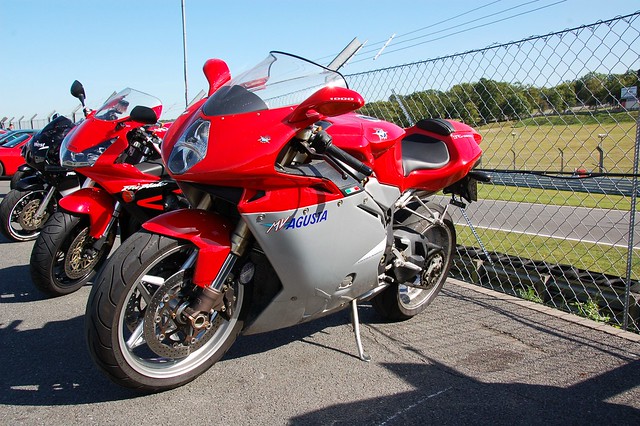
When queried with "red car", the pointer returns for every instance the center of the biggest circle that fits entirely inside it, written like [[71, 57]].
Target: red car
[[10, 150]]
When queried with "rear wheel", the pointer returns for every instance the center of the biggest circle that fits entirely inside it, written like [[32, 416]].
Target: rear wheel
[[136, 326], [404, 300], [63, 258], [17, 213]]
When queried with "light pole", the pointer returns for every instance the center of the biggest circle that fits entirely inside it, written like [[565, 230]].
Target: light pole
[[561, 160], [513, 148], [601, 152], [184, 50]]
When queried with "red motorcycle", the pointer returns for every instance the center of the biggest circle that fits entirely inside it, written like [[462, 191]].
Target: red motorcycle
[[303, 208], [117, 149]]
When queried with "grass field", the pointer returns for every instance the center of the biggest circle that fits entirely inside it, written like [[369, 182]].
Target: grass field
[[554, 144], [559, 198], [582, 255], [561, 143]]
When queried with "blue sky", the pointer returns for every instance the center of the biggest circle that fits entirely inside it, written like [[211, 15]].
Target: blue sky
[[110, 45]]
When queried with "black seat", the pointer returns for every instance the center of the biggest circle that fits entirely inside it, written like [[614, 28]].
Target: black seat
[[436, 125], [421, 152]]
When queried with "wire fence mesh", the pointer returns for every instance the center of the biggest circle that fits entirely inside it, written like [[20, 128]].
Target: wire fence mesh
[[559, 118]]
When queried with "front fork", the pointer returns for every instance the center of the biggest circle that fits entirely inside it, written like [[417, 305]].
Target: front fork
[[219, 294], [98, 243], [42, 208]]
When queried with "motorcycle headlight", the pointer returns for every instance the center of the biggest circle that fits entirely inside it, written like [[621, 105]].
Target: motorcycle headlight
[[86, 158], [190, 149]]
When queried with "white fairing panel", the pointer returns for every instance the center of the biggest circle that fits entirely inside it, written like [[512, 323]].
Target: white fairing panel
[[325, 256]]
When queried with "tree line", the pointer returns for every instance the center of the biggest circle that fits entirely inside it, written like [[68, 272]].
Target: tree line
[[489, 101]]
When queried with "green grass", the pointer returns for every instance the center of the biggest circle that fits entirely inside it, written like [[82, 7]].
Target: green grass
[[529, 294], [582, 255], [591, 310], [588, 118], [560, 144], [563, 146], [553, 197]]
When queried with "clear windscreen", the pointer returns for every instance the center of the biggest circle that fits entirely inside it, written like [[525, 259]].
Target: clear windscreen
[[280, 80], [119, 106]]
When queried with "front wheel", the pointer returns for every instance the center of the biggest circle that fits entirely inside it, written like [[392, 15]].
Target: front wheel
[[17, 213], [404, 300], [63, 258], [137, 331]]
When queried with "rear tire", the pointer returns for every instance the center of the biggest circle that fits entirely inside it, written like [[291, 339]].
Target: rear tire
[[400, 302], [61, 259], [17, 212], [143, 279]]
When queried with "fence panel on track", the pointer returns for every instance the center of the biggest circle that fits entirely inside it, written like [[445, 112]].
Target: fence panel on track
[[559, 118]]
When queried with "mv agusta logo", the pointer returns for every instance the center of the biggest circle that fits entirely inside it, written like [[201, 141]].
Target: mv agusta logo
[[381, 134], [292, 222]]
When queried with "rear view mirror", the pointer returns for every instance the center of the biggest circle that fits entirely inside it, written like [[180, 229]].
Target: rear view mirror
[[77, 91], [327, 102], [144, 115], [217, 73]]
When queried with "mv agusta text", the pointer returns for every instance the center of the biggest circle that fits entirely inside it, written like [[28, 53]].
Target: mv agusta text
[[298, 207]]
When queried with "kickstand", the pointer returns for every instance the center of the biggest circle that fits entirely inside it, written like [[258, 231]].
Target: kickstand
[[356, 330]]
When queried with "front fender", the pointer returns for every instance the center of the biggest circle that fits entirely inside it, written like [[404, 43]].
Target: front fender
[[208, 231], [30, 183], [95, 203]]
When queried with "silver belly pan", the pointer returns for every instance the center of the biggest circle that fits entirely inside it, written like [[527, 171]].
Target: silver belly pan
[[325, 256]]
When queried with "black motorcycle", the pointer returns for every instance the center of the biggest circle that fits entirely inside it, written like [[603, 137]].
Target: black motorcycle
[[34, 197]]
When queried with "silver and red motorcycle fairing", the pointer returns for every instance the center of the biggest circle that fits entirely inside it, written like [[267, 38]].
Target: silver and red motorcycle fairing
[[300, 208]]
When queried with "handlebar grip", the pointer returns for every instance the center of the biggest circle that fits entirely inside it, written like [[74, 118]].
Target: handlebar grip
[[337, 153]]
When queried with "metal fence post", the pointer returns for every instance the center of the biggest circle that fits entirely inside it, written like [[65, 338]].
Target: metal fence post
[[632, 221]]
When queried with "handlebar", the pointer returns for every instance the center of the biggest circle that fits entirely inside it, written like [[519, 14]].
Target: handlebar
[[340, 155], [323, 144]]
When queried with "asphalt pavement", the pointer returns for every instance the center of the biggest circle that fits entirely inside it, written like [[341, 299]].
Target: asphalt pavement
[[474, 357]]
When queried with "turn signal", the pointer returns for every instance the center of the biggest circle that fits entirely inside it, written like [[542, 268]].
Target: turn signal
[[128, 196]]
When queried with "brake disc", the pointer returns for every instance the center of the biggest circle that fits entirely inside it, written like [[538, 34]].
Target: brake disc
[[76, 262], [433, 271], [27, 219], [166, 329]]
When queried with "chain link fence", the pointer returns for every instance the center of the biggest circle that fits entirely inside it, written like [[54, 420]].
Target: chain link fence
[[559, 118], [37, 123]]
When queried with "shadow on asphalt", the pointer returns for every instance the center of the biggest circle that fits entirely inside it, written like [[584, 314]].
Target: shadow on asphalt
[[445, 396], [51, 366], [17, 286], [258, 343]]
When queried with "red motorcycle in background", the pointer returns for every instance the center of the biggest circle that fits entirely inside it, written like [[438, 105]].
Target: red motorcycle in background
[[302, 208], [117, 149]]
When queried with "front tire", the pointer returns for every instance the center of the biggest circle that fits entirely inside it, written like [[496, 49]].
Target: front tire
[[145, 278], [400, 301], [17, 214], [62, 259]]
